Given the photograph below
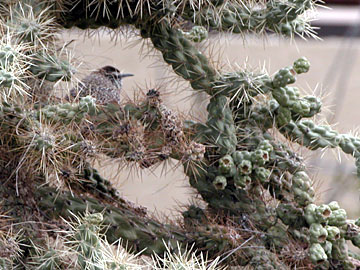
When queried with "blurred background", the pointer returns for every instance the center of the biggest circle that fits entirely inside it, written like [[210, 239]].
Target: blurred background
[[334, 75]]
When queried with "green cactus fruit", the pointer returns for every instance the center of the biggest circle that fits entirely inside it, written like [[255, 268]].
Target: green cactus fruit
[[227, 166], [317, 254], [302, 188], [327, 246], [260, 157], [334, 205], [242, 181], [339, 250], [302, 180], [245, 167], [333, 233], [220, 182], [262, 174], [323, 213], [301, 65], [303, 197], [337, 218], [196, 34], [310, 215], [239, 156], [318, 214], [284, 77], [263, 114], [266, 146], [260, 116], [318, 233], [307, 197]]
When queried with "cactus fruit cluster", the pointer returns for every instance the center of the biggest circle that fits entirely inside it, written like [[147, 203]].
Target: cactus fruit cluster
[[260, 210]]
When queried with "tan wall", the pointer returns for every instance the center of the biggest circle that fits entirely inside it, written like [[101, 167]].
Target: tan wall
[[333, 75]]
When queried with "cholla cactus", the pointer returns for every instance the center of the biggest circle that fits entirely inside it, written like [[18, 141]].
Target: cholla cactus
[[261, 210]]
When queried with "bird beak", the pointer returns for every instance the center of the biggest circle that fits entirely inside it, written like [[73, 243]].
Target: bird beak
[[123, 75]]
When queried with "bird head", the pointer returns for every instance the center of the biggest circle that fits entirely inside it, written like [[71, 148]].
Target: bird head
[[114, 75]]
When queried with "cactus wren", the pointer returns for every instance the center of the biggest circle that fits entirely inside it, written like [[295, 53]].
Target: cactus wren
[[103, 84]]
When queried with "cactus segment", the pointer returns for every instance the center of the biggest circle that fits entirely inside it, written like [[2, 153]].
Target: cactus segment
[[242, 181], [52, 69], [227, 166], [284, 77], [255, 189], [318, 233], [221, 128], [279, 17], [262, 174], [301, 65], [220, 182], [68, 112], [196, 34], [317, 254], [184, 58]]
